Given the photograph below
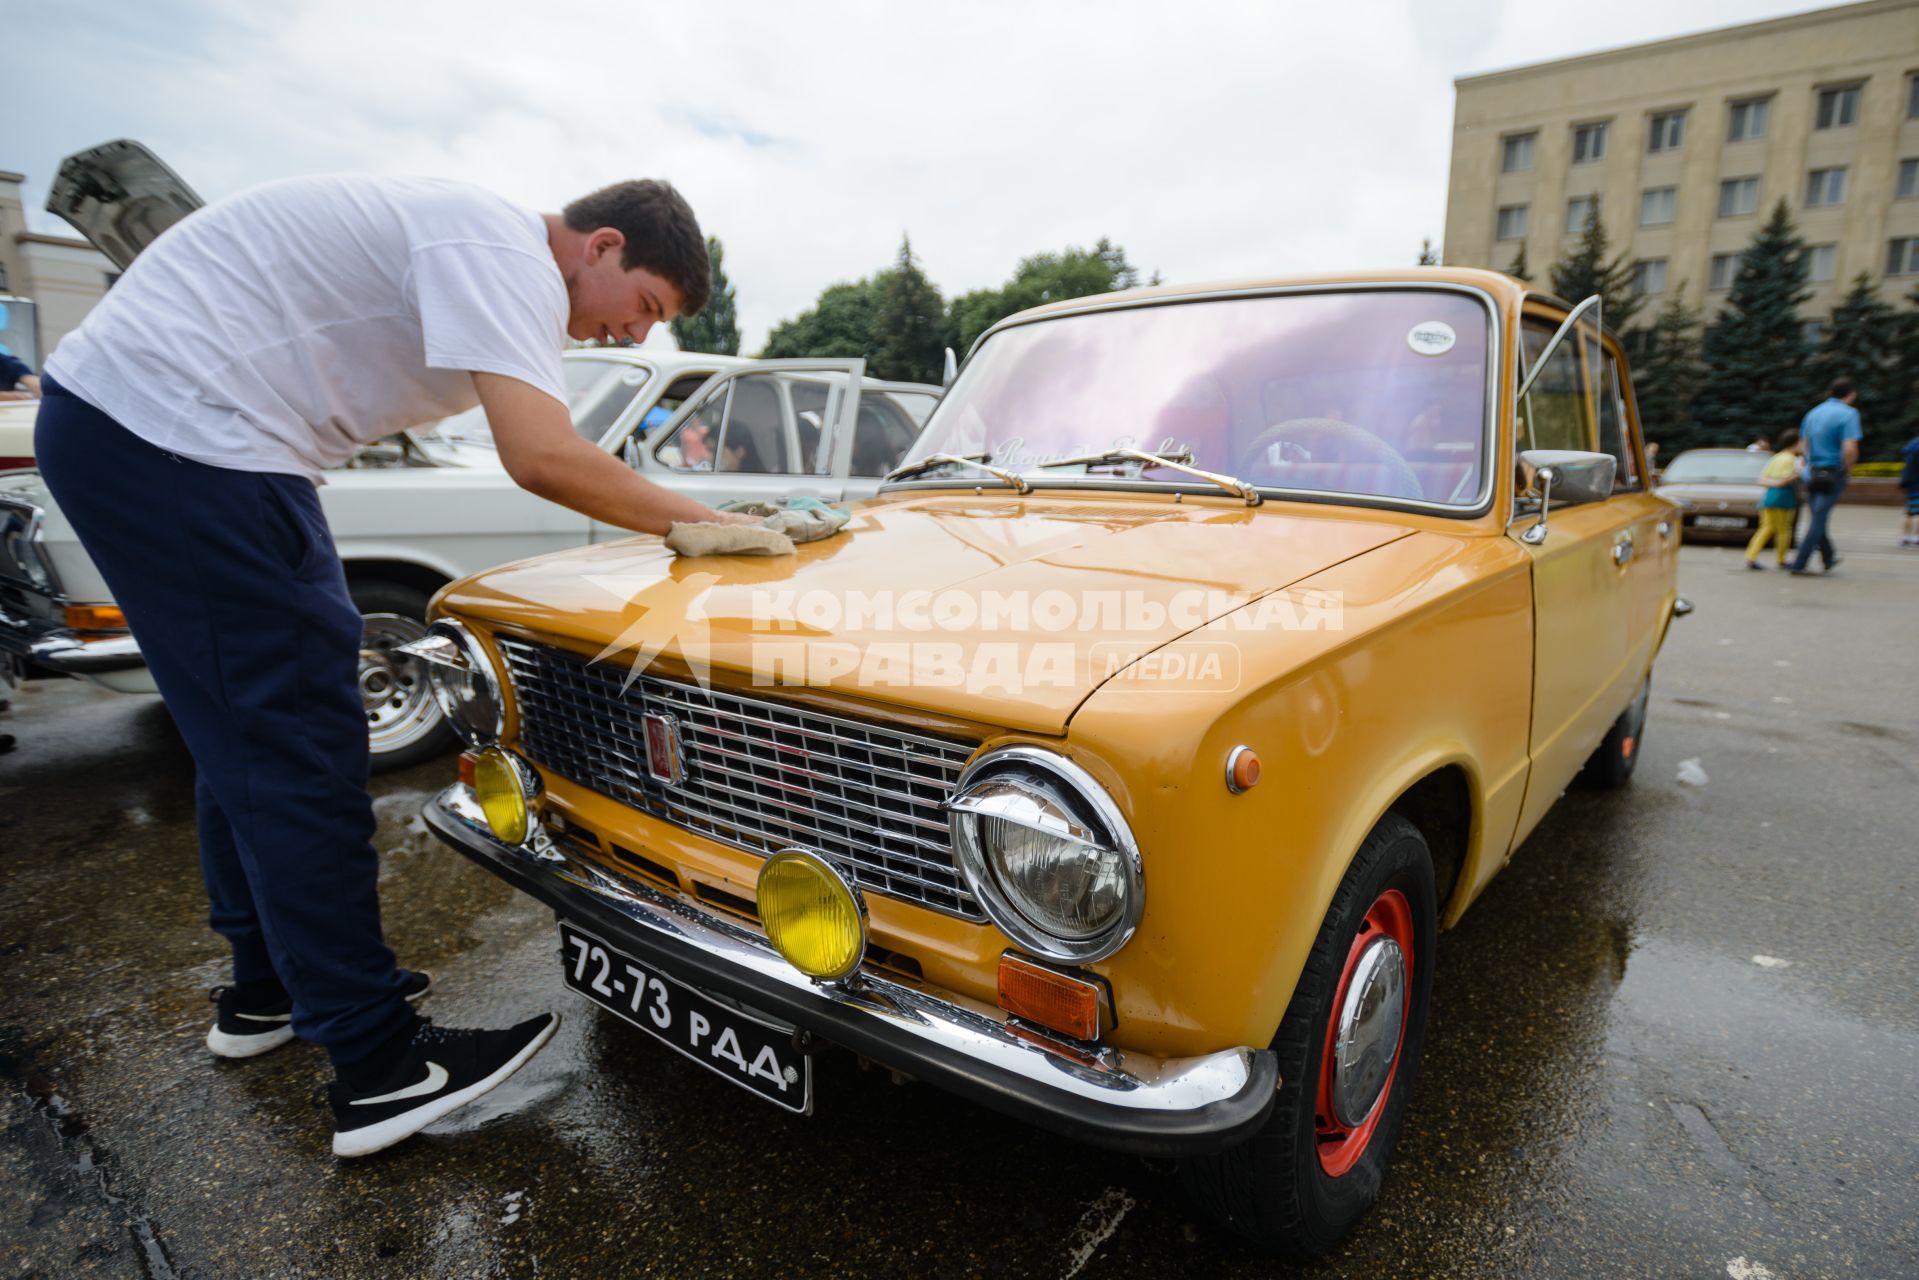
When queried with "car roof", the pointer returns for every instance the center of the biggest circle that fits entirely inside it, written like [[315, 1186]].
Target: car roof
[[1504, 289]]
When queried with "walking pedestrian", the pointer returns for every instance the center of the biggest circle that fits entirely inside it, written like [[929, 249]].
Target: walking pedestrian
[[1831, 433], [183, 429], [1779, 504], [1909, 481]]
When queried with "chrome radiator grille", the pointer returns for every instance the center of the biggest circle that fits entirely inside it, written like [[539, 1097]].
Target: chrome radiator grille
[[759, 774]]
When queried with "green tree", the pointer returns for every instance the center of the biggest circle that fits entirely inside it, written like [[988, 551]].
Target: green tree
[[1665, 371], [839, 324], [1584, 271], [1755, 351], [1427, 258], [1861, 343], [1906, 364], [1517, 268], [1039, 279], [908, 323], [716, 329]]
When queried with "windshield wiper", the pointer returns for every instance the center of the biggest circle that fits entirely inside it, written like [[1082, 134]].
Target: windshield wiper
[[979, 460], [1181, 461]]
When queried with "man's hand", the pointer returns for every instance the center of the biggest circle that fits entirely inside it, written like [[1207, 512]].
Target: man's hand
[[545, 457]]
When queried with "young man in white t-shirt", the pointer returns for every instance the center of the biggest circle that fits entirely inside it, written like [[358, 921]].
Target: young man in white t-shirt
[[183, 429]]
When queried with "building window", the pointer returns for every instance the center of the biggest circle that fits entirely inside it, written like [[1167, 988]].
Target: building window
[[1516, 153], [1579, 211], [1909, 178], [1813, 333], [1912, 98], [1668, 131], [1826, 186], [1902, 257], [1725, 268], [1837, 108], [1821, 259], [1748, 119], [1589, 143], [1656, 205], [1512, 221], [1738, 196], [1649, 276]]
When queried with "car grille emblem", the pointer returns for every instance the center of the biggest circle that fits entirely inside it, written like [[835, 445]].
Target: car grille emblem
[[663, 760]]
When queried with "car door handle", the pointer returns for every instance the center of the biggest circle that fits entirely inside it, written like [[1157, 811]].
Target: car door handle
[[1622, 549]]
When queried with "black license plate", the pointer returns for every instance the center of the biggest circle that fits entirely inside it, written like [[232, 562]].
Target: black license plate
[[753, 1053]]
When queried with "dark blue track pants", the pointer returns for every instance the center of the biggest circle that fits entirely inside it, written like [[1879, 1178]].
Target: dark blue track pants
[[232, 587]]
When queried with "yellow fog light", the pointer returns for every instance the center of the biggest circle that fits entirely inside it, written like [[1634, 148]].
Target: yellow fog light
[[502, 785], [813, 915]]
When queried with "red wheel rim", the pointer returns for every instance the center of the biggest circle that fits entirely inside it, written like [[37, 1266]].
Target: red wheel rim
[[1340, 1145]]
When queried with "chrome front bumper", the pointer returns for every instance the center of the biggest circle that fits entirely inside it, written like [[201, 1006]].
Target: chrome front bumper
[[1128, 1101], [57, 649]]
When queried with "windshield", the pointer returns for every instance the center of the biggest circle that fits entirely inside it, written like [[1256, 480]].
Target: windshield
[[1728, 467], [584, 376], [1379, 393]]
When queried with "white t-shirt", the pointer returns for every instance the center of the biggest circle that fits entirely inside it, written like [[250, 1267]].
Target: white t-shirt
[[281, 329]]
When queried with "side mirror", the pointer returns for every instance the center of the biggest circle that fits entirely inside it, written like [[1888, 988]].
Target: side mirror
[[949, 370], [1571, 475]]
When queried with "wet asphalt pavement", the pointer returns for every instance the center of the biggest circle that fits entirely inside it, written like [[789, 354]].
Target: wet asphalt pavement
[[1678, 1036]]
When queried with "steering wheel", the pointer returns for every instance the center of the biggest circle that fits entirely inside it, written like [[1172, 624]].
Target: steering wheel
[[1303, 431]]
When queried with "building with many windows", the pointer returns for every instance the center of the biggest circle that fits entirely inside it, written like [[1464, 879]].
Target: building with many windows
[[1684, 146]]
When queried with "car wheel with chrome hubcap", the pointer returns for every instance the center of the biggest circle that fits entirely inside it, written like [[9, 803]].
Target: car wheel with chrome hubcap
[[404, 723], [1348, 1049]]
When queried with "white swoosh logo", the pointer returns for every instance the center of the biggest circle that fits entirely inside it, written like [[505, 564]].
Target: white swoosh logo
[[265, 1017], [434, 1082]]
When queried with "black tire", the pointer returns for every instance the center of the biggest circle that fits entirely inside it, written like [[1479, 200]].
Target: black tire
[[407, 728], [1611, 765], [1275, 1189]]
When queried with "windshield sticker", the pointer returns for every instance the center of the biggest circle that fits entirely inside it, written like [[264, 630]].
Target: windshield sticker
[[1432, 338]]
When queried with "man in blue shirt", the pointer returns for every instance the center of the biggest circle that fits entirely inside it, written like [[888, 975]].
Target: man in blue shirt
[[1831, 432]]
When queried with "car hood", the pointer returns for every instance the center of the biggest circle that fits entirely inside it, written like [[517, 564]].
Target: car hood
[[1711, 494], [998, 610]]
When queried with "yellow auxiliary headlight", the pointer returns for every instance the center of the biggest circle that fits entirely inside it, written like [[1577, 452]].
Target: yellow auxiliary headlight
[[500, 782], [813, 915]]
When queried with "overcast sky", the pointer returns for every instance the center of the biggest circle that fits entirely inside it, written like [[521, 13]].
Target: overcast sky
[[1208, 139]]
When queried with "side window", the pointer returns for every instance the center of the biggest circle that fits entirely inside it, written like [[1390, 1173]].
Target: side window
[[1557, 412], [881, 436], [812, 411], [694, 446], [1615, 432], [592, 420], [753, 439]]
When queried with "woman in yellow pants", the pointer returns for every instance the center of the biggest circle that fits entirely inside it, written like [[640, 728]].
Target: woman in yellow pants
[[1780, 505]]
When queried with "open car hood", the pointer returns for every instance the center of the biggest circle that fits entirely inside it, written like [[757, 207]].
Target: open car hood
[[120, 196], [1025, 604]]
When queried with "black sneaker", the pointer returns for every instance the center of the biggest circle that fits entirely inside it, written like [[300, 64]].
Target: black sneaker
[[441, 1070], [247, 1030]]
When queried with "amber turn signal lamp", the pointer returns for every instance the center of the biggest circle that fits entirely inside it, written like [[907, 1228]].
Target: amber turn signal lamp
[[468, 763], [1054, 1000], [95, 617], [1242, 770]]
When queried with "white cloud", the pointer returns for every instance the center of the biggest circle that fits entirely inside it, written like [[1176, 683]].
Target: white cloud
[[1217, 139]]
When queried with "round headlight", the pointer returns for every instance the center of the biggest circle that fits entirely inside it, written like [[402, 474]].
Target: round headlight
[[469, 691], [502, 785], [1047, 853], [814, 917]]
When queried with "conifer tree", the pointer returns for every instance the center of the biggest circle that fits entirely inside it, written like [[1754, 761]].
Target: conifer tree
[[1756, 377], [1518, 268], [716, 329], [908, 323], [1584, 271], [1860, 343], [1665, 369], [1427, 258]]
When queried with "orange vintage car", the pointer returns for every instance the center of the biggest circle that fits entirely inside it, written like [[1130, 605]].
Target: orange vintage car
[[1118, 766]]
